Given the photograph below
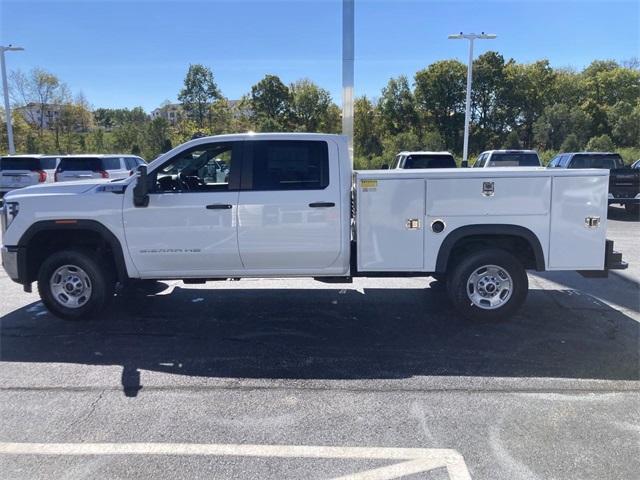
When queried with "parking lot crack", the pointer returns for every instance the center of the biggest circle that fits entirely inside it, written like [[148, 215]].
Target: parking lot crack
[[90, 411]]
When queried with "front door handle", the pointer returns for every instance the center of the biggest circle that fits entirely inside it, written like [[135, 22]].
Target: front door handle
[[322, 204], [219, 206]]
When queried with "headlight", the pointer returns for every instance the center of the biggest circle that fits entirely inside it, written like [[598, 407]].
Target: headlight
[[9, 212]]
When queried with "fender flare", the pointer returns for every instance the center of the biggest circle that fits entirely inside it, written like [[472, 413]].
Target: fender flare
[[66, 226], [489, 230]]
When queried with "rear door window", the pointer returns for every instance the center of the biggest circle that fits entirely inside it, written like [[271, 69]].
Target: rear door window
[[80, 164], [111, 163], [131, 163], [514, 160], [290, 165], [429, 161], [596, 161], [48, 163], [19, 163]]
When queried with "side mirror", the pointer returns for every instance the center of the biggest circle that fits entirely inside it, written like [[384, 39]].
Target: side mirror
[[385, 166], [141, 189]]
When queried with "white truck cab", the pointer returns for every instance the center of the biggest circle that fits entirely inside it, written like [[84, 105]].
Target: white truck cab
[[289, 205]]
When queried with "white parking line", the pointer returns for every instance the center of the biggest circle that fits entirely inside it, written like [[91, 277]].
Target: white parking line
[[413, 460]]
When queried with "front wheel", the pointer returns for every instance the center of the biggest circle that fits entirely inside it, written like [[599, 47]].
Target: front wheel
[[488, 285], [74, 285]]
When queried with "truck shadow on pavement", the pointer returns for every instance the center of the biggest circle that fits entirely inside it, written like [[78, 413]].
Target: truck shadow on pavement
[[330, 334]]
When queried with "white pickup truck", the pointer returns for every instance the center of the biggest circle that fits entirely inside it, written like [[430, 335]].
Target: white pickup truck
[[289, 205]]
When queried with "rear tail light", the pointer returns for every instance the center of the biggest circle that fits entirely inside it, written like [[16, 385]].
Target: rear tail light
[[42, 176], [103, 174]]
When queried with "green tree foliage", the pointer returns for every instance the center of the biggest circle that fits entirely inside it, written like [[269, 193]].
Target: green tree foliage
[[271, 104], [397, 107], [601, 143], [311, 108], [513, 105], [199, 91], [440, 95]]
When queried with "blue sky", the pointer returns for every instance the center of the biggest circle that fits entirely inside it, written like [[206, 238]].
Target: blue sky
[[127, 53]]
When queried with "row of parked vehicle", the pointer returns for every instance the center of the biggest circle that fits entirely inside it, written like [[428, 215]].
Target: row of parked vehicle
[[624, 182], [19, 171]]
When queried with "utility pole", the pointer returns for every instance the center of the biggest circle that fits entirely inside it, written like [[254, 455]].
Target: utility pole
[[467, 113], [348, 42], [5, 87]]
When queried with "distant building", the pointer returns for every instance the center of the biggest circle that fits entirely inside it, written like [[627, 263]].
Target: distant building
[[171, 112], [36, 114]]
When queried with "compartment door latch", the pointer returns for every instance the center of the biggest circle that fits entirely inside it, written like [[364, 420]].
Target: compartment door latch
[[413, 224], [592, 222], [488, 189]]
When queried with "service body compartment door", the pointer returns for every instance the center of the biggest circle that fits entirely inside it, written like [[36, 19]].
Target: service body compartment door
[[390, 222], [578, 223]]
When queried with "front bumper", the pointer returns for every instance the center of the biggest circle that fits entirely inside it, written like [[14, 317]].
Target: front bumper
[[10, 262]]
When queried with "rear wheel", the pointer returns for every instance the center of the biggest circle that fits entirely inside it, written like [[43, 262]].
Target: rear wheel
[[488, 285], [74, 285]]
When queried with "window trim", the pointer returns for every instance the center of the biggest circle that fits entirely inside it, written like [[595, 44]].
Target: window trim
[[246, 184], [235, 174]]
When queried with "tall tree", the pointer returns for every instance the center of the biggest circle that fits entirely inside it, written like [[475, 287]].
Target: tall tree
[[199, 91], [38, 87], [311, 108], [397, 106], [440, 94], [271, 104], [366, 136]]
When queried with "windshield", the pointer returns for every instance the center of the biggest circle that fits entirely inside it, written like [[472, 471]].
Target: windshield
[[430, 161], [80, 164], [19, 163], [517, 159], [597, 161]]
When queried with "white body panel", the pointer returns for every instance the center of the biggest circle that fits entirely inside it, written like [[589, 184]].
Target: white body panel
[[279, 230], [571, 242], [385, 241], [177, 236], [534, 198]]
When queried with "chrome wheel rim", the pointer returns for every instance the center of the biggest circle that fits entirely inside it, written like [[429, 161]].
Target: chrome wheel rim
[[489, 287], [70, 286]]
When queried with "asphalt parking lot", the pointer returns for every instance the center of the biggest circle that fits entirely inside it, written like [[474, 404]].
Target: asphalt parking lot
[[292, 379]]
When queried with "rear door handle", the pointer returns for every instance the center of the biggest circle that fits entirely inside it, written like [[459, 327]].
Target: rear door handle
[[322, 204], [219, 206]]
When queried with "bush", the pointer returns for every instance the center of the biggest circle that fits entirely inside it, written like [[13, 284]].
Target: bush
[[601, 143]]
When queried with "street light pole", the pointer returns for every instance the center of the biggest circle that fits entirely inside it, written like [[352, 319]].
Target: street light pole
[[467, 110], [348, 42], [5, 87]]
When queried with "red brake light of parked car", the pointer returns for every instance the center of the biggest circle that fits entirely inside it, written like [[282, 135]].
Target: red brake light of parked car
[[42, 176], [103, 174]]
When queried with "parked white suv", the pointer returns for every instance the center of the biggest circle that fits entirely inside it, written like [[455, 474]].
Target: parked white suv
[[508, 158], [84, 167], [18, 171]]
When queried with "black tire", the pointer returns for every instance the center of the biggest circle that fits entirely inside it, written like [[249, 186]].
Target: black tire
[[461, 274], [100, 276]]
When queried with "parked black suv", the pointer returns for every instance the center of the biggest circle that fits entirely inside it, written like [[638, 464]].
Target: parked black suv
[[624, 182]]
